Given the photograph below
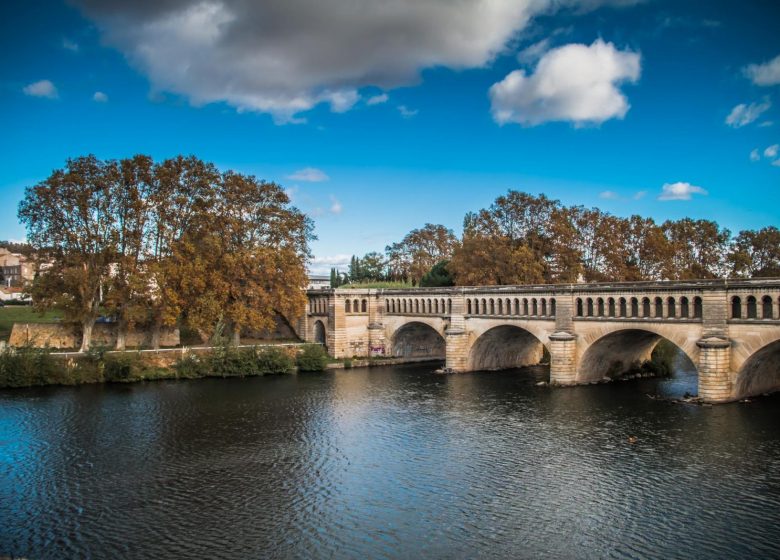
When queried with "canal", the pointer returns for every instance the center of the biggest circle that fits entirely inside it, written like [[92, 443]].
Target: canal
[[391, 462]]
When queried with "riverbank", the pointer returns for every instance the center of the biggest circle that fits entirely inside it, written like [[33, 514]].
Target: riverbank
[[32, 367], [28, 367]]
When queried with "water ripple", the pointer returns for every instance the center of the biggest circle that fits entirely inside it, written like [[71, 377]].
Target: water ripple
[[385, 463]]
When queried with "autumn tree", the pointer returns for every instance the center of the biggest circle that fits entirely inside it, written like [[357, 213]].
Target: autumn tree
[[489, 261], [413, 256], [181, 202], [70, 224], [698, 248], [247, 258], [756, 253], [520, 238], [131, 194]]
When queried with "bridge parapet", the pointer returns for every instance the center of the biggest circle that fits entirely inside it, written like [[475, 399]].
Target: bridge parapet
[[720, 324]]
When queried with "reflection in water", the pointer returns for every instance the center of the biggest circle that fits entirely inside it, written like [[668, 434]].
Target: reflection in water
[[391, 462]]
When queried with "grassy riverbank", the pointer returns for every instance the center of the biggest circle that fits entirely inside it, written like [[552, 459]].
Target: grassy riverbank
[[10, 314], [29, 367]]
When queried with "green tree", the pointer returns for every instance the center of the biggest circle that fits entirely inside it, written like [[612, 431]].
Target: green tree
[[438, 276], [419, 251]]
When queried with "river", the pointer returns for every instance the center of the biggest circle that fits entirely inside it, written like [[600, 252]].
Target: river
[[390, 462]]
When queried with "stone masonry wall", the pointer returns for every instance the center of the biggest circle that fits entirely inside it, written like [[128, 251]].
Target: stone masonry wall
[[63, 336]]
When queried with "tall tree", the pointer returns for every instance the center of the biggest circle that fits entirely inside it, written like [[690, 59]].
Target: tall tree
[[756, 253], [253, 253], [128, 295], [413, 256], [181, 202], [71, 225], [699, 248]]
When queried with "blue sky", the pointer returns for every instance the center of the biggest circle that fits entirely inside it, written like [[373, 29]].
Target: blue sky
[[409, 115]]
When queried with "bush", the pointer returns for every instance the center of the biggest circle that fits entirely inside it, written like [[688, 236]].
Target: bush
[[274, 361], [122, 367], [190, 367], [312, 358], [27, 366], [347, 363]]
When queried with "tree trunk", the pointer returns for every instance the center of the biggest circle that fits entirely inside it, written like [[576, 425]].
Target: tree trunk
[[121, 334], [236, 336], [86, 334], [156, 328]]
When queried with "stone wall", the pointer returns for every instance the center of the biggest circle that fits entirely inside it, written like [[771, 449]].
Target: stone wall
[[64, 336]]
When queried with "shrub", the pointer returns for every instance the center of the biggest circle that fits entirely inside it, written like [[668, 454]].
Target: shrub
[[190, 367], [274, 361], [122, 367], [27, 366], [347, 363], [312, 358]]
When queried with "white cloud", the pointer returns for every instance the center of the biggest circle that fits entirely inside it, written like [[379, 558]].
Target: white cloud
[[743, 114], [771, 151], [765, 124], [284, 58], [766, 74], [310, 174], [322, 265], [335, 205], [679, 191], [575, 82], [70, 45], [609, 195], [776, 163], [533, 53], [332, 260], [639, 195], [100, 97], [42, 88], [754, 155], [377, 99], [406, 112]]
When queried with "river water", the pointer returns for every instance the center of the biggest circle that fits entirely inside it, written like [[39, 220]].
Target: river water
[[391, 462]]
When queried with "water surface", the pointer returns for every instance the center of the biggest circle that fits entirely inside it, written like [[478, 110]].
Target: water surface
[[392, 462]]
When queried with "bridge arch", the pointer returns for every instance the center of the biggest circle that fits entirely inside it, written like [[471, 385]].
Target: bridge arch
[[614, 352], [760, 373], [319, 332], [505, 347], [417, 339]]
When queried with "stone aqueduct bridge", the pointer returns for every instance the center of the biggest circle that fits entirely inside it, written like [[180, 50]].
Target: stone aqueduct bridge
[[730, 330]]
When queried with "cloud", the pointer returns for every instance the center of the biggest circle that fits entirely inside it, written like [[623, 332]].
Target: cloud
[[322, 265], [100, 97], [42, 88], [639, 195], [609, 195], [335, 205], [70, 45], [332, 260], [310, 174], [754, 155], [406, 112], [766, 74], [284, 58], [377, 99], [680, 191], [743, 115], [771, 151], [765, 124], [575, 82], [533, 53], [776, 163]]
